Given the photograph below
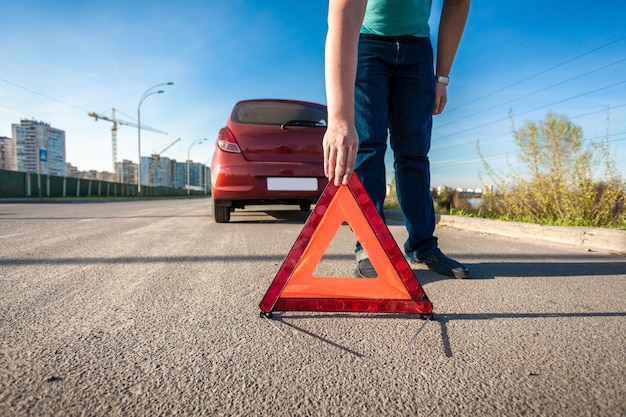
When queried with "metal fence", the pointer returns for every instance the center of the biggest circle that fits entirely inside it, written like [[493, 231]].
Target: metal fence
[[24, 184]]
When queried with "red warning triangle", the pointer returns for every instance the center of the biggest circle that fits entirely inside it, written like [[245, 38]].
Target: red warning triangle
[[395, 290]]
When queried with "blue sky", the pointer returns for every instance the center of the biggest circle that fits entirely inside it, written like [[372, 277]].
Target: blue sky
[[63, 59]]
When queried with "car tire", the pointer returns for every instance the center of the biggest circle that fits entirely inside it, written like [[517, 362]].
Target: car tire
[[221, 214], [305, 207]]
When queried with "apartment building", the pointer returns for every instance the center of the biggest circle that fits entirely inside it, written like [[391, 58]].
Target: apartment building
[[5, 149], [179, 175], [37, 147], [126, 171], [156, 171]]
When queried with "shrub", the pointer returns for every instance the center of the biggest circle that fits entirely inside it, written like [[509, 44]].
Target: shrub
[[558, 184]]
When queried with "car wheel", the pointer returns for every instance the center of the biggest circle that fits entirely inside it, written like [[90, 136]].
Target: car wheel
[[305, 207], [221, 213]]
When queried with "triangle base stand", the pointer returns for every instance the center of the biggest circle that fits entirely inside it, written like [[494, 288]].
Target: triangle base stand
[[354, 306], [395, 290]]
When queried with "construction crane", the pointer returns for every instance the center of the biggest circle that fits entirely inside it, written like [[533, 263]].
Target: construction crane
[[155, 159], [115, 122]]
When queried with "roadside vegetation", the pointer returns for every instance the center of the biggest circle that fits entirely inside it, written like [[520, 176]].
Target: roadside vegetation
[[563, 180]]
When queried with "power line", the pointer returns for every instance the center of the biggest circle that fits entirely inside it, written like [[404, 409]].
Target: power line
[[443, 164], [44, 95], [597, 111], [604, 136], [611, 137], [60, 101], [574, 97], [130, 117], [490, 138], [538, 73], [618, 140], [535, 109], [456, 120], [500, 136]]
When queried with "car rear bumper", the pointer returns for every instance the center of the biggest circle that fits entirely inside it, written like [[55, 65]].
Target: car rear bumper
[[236, 183]]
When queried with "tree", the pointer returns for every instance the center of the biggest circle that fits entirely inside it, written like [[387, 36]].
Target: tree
[[558, 184]]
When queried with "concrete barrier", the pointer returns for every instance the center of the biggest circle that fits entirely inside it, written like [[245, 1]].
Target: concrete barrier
[[588, 238]]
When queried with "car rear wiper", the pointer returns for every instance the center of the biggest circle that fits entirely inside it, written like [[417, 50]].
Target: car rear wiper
[[308, 123]]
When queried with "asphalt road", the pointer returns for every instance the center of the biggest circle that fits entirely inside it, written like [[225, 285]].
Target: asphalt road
[[150, 308]]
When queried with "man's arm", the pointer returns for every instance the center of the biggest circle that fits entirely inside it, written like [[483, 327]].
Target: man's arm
[[341, 139], [451, 26]]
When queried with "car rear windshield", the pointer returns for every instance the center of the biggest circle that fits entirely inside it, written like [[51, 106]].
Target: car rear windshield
[[279, 113]]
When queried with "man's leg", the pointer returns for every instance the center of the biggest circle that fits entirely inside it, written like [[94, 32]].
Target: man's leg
[[374, 69], [412, 98]]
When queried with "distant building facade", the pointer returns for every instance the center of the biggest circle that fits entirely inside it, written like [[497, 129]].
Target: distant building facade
[[196, 175], [126, 172], [5, 148], [179, 175], [156, 171], [72, 171], [37, 147]]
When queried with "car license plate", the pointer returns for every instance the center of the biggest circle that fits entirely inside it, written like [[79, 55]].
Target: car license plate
[[291, 184]]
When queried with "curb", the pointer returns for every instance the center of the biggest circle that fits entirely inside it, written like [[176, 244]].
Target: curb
[[588, 238]]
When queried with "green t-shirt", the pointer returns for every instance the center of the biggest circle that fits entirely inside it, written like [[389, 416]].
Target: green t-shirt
[[397, 17]]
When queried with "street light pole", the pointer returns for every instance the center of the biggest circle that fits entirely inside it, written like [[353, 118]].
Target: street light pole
[[195, 142], [145, 95]]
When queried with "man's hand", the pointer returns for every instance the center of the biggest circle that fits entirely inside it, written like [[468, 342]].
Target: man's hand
[[451, 26], [341, 140], [441, 98], [341, 143]]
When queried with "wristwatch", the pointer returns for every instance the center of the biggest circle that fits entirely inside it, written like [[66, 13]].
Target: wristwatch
[[443, 80]]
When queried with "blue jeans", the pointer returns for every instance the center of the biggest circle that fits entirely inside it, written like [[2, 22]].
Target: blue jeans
[[394, 98]]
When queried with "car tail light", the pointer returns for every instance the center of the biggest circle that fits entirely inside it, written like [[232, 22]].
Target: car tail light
[[226, 141]]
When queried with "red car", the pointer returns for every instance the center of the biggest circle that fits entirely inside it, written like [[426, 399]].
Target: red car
[[270, 152]]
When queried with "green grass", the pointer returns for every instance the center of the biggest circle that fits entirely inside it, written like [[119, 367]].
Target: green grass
[[577, 222], [391, 202]]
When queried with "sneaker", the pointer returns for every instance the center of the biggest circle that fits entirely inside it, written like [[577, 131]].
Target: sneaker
[[412, 255], [441, 264], [364, 267]]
